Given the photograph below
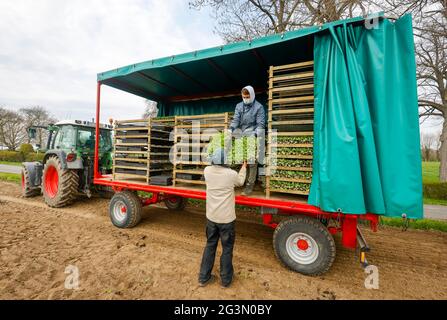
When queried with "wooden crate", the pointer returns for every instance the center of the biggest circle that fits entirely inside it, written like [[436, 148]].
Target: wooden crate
[[291, 114], [141, 148], [188, 151]]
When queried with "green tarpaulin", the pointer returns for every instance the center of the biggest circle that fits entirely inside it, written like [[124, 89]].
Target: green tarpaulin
[[366, 152]]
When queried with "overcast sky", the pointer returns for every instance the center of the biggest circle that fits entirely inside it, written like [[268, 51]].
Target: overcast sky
[[51, 50]]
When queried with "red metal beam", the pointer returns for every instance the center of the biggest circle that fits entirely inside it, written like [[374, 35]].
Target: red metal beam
[[96, 173]]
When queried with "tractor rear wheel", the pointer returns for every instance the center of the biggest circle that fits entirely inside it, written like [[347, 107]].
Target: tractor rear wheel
[[59, 186], [125, 209], [28, 190], [304, 245]]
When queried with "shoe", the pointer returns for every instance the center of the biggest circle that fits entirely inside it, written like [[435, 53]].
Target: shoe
[[203, 284], [226, 284]]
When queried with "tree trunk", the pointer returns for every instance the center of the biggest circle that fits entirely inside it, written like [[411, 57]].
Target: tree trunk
[[443, 153]]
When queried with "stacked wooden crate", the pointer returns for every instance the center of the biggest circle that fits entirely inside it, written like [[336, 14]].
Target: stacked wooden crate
[[290, 124], [141, 148], [191, 135]]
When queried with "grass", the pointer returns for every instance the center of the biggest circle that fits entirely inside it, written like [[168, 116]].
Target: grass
[[10, 177], [430, 172], [422, 224], [439, 202], [11, 163]]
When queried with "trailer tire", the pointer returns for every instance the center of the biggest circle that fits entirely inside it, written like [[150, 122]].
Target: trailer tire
[[59, 185], [304, 245], [176, 203], [125, 209], [28, 190]]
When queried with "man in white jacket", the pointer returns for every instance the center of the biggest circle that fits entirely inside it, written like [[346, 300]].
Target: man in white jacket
[[221, 215]]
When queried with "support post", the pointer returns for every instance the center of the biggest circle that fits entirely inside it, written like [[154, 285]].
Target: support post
[[97, 174]]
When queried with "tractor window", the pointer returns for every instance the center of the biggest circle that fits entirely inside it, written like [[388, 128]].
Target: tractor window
[[65, 138], [105, 141], [86, 139]]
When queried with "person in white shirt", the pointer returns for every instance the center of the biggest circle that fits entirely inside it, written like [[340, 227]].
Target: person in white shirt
[[221, 215]]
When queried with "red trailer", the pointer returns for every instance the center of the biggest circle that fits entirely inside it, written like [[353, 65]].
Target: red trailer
[[304, 241]]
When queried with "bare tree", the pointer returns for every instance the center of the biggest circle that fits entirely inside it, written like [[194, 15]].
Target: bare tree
[[37, 116], [428, 144], [12, 129], [151, 110], [246, 19]]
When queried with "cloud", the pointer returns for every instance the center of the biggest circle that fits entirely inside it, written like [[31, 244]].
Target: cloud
[[51, 50]]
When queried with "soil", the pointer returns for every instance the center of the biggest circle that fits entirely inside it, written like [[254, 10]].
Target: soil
[[159, 259]]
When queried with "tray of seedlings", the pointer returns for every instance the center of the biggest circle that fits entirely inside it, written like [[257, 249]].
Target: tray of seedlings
[[290, 129]]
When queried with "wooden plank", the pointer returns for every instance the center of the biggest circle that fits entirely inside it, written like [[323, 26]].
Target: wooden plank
[[204, 116], [191, 181], [290, 179], [131, 129], [292, 99], [293, 65], [131, 168], [293, 111], [131, 144], [301, 75], [131, 160], [194, 163], [131, 121], [208, 125], [274, 89], [303, 193], [291, 122], [130, 152], [190, 171]]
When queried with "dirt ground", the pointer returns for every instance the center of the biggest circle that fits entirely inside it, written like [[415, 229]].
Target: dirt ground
[[159, 259]]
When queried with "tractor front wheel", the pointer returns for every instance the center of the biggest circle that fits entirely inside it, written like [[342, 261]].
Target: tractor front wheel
[[28, 190], [59, 186]]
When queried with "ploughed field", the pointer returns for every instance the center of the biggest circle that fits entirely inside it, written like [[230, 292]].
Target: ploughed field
[[159, 259]]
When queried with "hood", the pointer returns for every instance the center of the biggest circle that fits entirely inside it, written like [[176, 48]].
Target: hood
[[252, 93]]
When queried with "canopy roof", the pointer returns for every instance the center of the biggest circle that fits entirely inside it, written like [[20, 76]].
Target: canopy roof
[[218, 71]]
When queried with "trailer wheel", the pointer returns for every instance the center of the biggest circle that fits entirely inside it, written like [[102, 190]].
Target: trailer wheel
[[27, 189], [175, 203], [125, 209], [304, 245]]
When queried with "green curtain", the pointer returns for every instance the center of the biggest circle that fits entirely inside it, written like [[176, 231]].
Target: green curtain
[[366, 145]]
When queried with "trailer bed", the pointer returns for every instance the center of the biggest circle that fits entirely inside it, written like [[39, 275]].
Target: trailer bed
[[278, 201]]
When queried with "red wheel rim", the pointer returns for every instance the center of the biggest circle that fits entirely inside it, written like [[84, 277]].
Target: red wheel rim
[[23, 181], [51, 182]]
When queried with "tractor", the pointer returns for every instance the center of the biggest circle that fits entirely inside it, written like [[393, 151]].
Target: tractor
[[67, 167]]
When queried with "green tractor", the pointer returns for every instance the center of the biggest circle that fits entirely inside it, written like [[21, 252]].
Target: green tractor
[[67, 167]]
